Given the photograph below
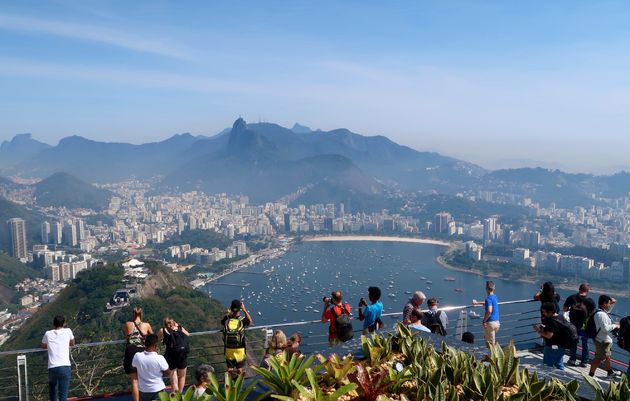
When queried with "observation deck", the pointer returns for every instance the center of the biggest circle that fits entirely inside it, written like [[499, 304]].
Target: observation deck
[[97, 371]]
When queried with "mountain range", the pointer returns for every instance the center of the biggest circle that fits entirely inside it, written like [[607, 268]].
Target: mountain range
[[267, 161]]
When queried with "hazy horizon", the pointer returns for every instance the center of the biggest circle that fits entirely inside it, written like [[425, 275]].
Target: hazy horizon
[[497, 84]]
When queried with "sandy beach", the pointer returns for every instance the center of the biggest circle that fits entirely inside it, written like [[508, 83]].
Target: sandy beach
[[374, 238]]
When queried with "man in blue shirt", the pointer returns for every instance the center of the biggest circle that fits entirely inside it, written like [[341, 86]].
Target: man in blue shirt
[[491, 317], [371, 316]]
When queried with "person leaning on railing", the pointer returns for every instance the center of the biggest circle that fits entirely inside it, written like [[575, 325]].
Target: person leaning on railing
[[491, 322], [58, 342]]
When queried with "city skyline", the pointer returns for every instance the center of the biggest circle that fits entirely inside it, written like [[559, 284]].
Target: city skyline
[[492, 83]]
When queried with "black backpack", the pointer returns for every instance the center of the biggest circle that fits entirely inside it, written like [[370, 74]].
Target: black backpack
[[578, 312], [623, 336], [177, 343], [433, 322], [567, 332], [234, 333], [343, 324], [590, 328]]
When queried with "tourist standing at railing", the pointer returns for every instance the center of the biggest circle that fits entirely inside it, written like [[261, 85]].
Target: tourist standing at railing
[[277, 345], [150, 367], [579, 307], [415, 302], [415, 321], [234, 325], [603, 339], [551, 331], [293, 345], [175, 338], [547, 293], [491, 322], [135, 333], [58, 342], [371, 316], [338, 314], [435, 319]]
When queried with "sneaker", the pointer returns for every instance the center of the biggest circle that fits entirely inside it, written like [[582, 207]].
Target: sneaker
[[572, 362], [614, 374], [583, 364]]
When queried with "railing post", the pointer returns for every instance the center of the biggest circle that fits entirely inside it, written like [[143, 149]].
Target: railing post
[[21, 361], [462, 324]]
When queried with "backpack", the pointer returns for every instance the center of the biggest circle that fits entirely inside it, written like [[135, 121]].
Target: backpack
[[178, 343], [567, 332], [343, 324], [433, 322], [234, 333], [589, 327], [623, 336], [578, 313]]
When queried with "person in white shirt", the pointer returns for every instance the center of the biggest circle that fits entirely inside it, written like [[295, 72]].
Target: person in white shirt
[[603, 340], [150, 366], [58, 342]]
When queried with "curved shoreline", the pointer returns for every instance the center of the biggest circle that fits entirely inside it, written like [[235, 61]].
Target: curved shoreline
[[379, 238], [440, 259]]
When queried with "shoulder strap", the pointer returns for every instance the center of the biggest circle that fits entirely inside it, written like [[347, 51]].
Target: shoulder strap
[[138, 327]]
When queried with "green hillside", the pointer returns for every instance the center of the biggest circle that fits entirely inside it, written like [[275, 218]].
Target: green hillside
[[63, 189], [12, 271]]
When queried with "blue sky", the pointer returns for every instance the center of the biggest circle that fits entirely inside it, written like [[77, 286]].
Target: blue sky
[[497, 83]]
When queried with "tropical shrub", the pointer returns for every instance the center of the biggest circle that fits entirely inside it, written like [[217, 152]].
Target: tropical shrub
[[314, 392], [284, 371]]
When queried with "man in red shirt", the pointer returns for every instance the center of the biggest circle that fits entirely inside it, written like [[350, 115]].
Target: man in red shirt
[[333, 308]]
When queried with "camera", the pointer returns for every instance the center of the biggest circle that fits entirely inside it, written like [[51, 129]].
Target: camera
[[326, 299]]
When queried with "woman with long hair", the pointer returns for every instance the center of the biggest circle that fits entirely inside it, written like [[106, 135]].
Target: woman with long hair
[[175, 338], [548, 293], [135, 332]]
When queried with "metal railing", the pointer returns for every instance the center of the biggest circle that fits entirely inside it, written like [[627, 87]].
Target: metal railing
[[97, 366]]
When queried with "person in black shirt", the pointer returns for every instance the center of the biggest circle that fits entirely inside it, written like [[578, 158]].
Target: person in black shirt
[[550, 330], [580, 306]]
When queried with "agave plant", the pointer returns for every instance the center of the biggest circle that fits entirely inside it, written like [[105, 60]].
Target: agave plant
[[337, 368], [615, 391], [376, 348], [232, 390], [504, 364], [315, 392], [284, 371]]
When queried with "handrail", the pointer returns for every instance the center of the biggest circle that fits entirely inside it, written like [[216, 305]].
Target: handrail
[[267, 326]]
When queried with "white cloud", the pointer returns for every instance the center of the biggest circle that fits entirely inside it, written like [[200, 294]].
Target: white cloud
[[108, 36]]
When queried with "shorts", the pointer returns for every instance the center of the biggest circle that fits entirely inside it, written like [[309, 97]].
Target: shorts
[[130, 351], [176, 361], [602, 350], [235, 358]]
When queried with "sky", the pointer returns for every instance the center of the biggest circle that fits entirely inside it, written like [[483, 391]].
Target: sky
[[501, 84]]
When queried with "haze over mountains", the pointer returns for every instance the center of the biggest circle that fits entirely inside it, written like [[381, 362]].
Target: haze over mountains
[[267, 161]]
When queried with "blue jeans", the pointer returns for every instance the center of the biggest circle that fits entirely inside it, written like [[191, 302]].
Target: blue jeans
[[553, 357], [573, 350], [58, 382]]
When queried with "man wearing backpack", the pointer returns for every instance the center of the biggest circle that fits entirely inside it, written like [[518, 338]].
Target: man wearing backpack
[[234, 325], [603, 340], [557, 335], [436, 320], [338, 314], [580, 306]]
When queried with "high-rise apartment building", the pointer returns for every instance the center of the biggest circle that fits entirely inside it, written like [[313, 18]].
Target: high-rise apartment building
[[70, 234], [45, 232], [17, 238], [57, 232], [81, 234]]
